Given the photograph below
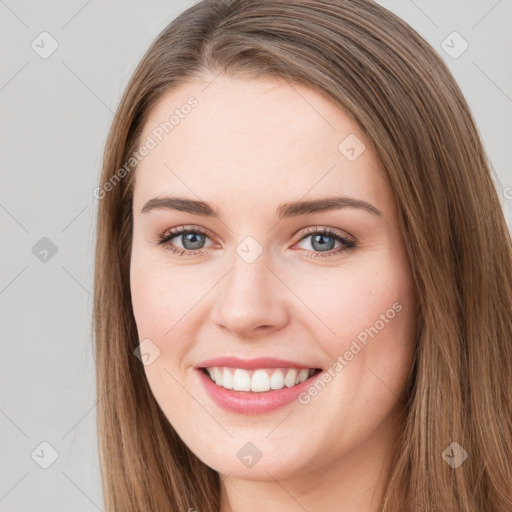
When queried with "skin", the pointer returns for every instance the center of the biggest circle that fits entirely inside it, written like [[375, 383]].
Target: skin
[[248, 146]]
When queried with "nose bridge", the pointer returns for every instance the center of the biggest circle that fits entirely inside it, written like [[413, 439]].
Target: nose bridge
[[247, 276], [250, 296], [250, 270]]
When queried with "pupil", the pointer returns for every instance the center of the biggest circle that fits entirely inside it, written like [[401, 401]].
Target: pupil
[[192, 238], [322, 247]]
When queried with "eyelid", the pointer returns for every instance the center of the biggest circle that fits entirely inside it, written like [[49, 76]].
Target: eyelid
[[324, 229], [178, 230], [348, 243]]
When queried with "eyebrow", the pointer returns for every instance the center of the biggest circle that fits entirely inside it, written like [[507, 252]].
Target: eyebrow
[[292, 209]]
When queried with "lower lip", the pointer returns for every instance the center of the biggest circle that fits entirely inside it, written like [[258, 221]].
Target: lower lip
[[246, 402]]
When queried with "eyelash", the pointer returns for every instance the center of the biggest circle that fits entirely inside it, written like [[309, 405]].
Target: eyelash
[[164, 240]]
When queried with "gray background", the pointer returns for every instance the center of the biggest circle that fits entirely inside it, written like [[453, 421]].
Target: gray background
[[55, 113]]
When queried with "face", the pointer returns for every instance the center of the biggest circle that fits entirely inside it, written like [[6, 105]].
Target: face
[[270, 286]]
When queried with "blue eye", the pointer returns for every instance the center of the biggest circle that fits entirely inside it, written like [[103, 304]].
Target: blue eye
[[322, 242], [192, 240]]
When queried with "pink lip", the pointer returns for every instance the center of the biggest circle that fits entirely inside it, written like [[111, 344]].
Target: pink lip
[[249, 402], [251, 364]]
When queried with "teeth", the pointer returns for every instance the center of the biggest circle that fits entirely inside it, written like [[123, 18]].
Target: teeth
[[260, 380], [227, 379], [217, 376], [277, 380], [241, 381], [302, 375]]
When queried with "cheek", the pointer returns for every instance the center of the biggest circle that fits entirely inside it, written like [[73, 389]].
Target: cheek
[[160, 298], [160, 312], [351, 301], [167, 308], [148, 306], [370, 317]]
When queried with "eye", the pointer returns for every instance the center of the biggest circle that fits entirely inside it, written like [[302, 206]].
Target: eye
[[192, 239], [323, 240]]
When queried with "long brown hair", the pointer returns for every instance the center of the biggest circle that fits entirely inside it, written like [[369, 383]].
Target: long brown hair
[[405, 101]]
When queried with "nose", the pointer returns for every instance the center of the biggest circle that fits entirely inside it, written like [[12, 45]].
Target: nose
[[251, 300]]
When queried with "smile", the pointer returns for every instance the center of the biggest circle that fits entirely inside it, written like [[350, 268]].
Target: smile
[[260, 380], [256, 390]]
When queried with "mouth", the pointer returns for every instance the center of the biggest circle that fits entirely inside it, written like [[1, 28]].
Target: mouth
[[259, 380], [256, 391], [255, 386]]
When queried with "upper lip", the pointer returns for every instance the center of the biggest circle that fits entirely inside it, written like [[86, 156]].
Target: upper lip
[[251, 364]]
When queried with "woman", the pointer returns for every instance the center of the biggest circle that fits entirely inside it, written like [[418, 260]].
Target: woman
[[303, 274]]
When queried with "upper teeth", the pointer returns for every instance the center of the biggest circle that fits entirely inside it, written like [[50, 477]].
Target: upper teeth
[[260, 380]]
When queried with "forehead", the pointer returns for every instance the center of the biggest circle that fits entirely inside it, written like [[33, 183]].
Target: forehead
[[263, 138]]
